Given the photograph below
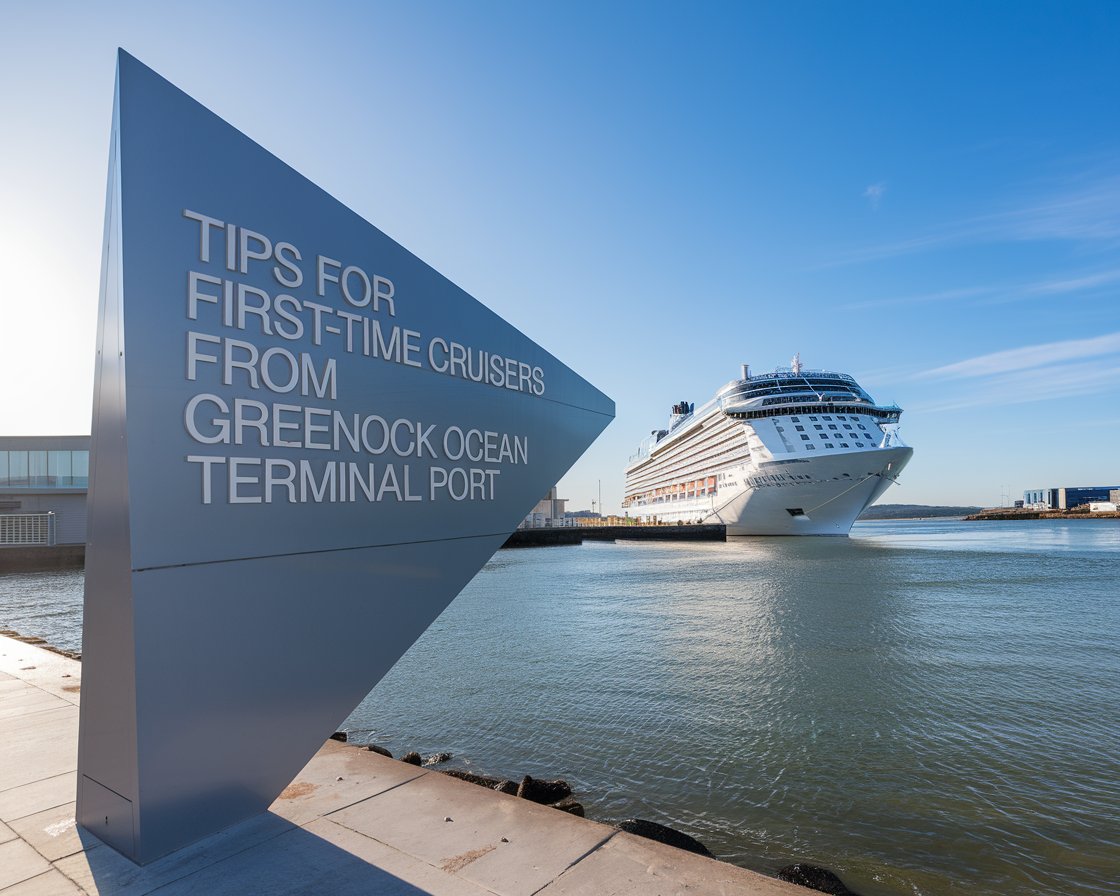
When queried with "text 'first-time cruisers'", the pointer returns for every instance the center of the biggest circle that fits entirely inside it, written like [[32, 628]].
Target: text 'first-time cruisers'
[[793, 452]]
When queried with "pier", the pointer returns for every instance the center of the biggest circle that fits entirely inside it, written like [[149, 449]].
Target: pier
[[541, 537], [352, 821], [1003, 514]]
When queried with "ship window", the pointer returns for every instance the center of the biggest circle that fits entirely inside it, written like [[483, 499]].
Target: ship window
[[800, 428], [818, 426], [832, 426], [811, 447], [812, 418], [843, 444], [822, 435], [827, 418], [828, 445], [795, 511], [805, 437], [780, 428], [795, 419], [859, 444]]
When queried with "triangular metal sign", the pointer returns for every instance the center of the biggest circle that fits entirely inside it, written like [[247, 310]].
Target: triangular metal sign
[[306, 441]]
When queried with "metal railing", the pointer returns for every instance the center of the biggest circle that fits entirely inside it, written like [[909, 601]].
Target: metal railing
[[27, 528]]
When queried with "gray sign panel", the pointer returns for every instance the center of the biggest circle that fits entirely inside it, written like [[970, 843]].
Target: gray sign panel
[[305, 442]]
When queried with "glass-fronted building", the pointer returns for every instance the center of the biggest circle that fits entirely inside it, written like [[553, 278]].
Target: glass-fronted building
[[1066, 497], [43, 484]]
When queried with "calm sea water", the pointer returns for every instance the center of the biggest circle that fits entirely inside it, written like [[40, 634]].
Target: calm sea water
[[925, 707]]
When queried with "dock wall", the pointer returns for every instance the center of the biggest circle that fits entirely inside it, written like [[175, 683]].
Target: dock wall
[[544, 537]]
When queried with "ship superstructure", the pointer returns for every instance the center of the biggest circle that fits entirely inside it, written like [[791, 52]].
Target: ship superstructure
[[791, 452]]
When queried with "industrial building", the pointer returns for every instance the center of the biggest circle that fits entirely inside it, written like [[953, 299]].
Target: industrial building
[[43, 485], [1067, 497], [548, 512]]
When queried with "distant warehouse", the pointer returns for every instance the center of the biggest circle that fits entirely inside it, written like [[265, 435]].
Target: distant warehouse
[[43, 485], [1067, 497]]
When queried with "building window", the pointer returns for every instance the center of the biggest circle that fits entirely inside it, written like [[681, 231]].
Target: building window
[[80, 460], [17, 469]]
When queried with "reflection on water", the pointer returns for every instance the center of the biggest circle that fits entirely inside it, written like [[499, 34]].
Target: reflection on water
[[926, 707]]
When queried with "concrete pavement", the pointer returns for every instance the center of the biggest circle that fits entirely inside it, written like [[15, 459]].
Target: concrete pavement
[[352, 820]]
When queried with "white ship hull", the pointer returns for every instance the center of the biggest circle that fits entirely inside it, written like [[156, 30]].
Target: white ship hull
[[761, 469], [840, 490]]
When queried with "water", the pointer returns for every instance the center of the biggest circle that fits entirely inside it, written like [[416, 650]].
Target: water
[[924, 708]]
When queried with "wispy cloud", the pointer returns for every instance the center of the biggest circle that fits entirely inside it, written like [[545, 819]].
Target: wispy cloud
[[1074, 284], [1085, 210], [1030, 357], [943, 295], [874, 194], [1024, 386], [1009, 292]]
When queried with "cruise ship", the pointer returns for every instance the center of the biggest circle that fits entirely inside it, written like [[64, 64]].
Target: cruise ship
[[792, 452]]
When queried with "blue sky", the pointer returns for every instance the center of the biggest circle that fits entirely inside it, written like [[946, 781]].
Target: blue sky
[[924, 196]]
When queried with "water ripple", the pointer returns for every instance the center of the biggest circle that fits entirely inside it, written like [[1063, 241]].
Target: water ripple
[[926, 708]]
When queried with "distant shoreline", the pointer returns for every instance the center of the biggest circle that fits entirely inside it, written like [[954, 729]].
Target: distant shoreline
[[917, 511], [1004, 515]]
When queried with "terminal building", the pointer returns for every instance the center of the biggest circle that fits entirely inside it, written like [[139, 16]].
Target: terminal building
[[43, 485], [1067, 497]]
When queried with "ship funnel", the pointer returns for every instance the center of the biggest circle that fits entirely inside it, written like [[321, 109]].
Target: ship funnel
[[746, 372]]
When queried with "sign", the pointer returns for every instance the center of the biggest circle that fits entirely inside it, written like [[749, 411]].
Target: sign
[[306, 441]]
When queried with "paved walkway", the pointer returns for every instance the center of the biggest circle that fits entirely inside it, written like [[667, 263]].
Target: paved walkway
[[352, 822]]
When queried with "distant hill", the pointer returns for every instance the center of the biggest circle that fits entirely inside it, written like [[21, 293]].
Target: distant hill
[[911, 511]]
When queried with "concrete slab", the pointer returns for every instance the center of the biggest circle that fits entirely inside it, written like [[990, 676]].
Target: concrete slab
[[101, 870], [351, 821], [44, 669], [53, 833], [634, 866], [28, 700], [460, 827], [337, 777], [38, 746], [19, 862], [301, 861], [52, 883], [38, 796]]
